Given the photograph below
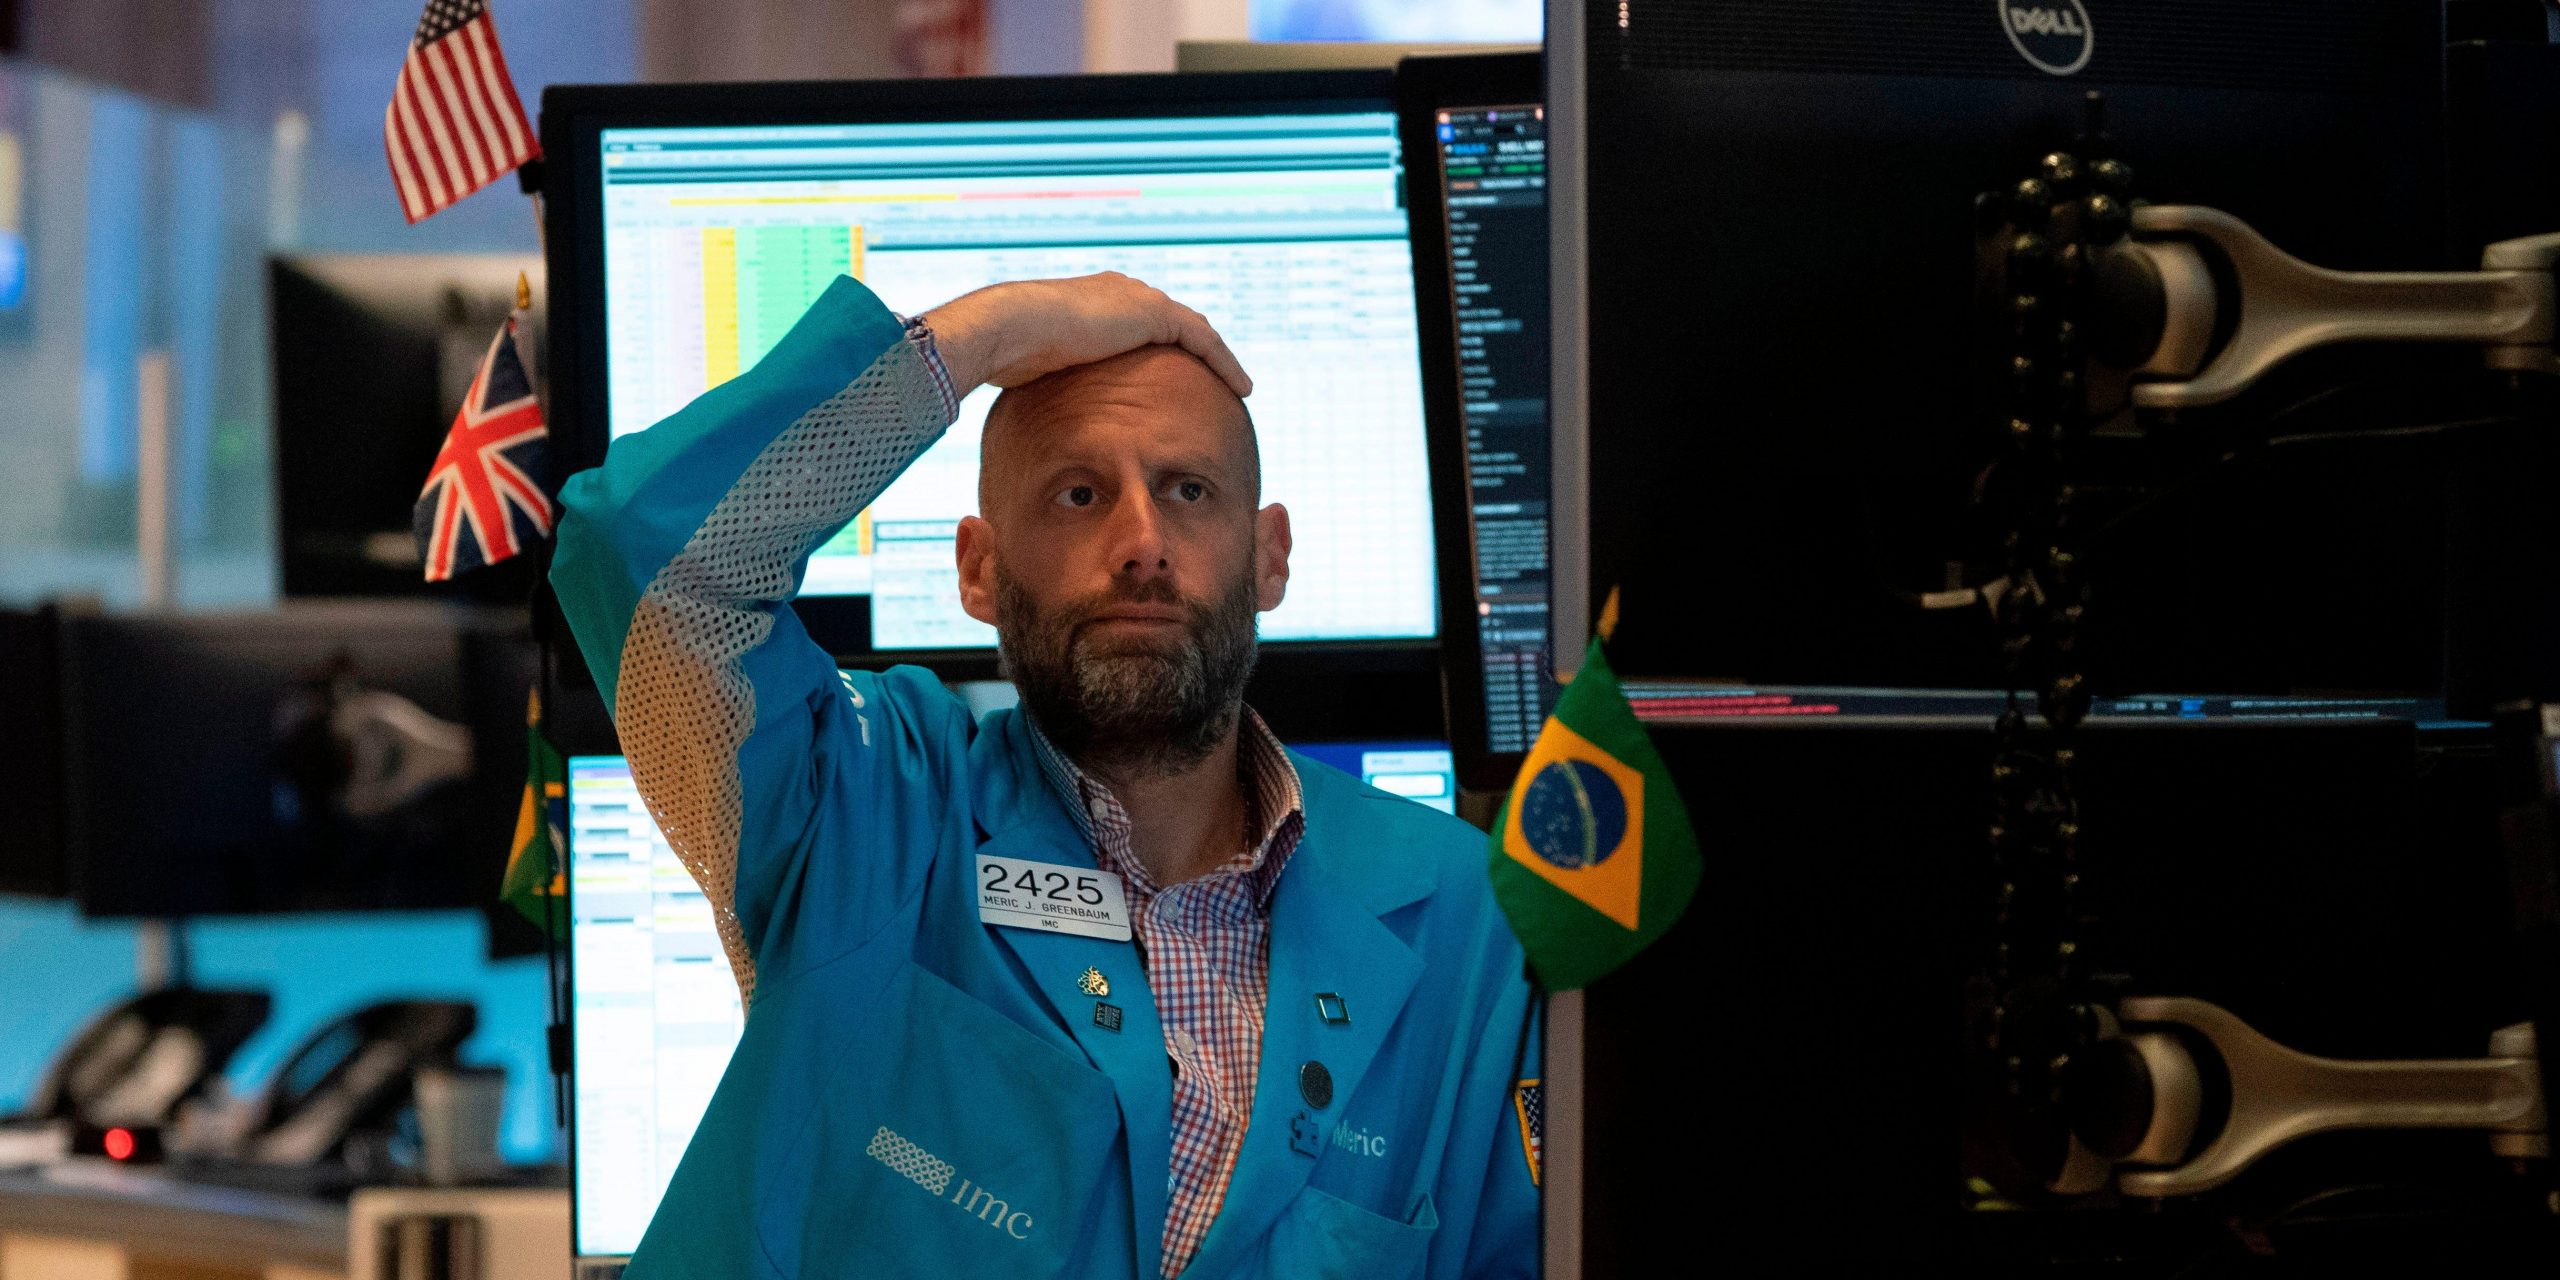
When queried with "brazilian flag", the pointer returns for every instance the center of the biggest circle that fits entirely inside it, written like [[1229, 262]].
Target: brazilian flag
[[1593, 855], [534, 882]]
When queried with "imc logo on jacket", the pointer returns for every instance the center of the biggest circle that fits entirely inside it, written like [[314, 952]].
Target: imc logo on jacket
[[933, 1173]]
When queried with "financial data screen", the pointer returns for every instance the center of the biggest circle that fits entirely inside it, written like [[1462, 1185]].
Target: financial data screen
[[1493, 169], [654, 1011], [1285, 230]]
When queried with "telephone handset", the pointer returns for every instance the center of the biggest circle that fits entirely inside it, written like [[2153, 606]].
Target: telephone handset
[[352, 1077], [134, 1065]]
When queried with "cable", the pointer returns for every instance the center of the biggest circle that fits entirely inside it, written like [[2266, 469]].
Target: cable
[[2390, 433]]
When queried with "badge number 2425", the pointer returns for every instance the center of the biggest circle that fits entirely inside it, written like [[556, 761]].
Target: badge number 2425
[[1086, 888], [1022, 894]]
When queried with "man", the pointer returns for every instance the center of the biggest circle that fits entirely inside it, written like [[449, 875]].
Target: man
[[1282, 1029]]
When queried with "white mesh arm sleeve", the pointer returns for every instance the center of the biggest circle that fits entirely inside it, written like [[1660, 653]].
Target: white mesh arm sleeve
[[708, 655]]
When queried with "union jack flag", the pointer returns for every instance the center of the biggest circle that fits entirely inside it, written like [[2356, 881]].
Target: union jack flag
[[482, 502]]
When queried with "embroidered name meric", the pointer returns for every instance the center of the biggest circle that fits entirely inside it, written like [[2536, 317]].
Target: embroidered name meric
[[1359, 1142]]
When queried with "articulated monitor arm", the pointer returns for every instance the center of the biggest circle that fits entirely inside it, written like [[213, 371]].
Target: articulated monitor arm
[[2144, 1118], [2197, 336]]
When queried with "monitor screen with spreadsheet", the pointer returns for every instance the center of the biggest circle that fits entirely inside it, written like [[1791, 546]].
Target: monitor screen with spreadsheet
[[1279, 220], [654, 1012]]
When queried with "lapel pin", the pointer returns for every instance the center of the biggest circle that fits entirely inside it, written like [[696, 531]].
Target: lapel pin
[[1306, 1137], [1331, 1008], [1092, 983], [1106, 1016], [1315, 1084]]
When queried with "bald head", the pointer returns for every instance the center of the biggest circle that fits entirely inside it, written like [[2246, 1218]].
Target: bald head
[[1121, 551], [1161, 392]]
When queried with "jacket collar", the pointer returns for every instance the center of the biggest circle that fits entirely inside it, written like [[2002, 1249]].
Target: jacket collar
[[1276, 803], [1326, 938], [1018, 805]]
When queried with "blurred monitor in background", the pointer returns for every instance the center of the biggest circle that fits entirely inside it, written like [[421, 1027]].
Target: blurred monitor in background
[[373, 354], [33, 861], [317, 758], [13, 223], [1460, 21]]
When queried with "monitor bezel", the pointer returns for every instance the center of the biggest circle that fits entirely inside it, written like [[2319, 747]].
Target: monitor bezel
[[575, 116], [1426, 86]]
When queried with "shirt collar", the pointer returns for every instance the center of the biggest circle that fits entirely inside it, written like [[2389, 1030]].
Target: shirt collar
[[1277, 808]]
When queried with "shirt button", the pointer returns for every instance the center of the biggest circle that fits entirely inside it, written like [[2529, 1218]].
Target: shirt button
[[1098, 807]]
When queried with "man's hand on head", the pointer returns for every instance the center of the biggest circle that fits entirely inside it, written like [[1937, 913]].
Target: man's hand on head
[[1010, 334]]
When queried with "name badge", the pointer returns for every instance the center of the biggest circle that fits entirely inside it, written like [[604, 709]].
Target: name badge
[[1021, 894]]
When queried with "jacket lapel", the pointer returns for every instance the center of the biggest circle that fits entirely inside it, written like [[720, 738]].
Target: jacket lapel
[[1133, 1056], [1326, 938]]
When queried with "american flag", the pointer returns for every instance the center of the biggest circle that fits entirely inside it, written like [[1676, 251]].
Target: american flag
[[454, 124], [482, 503]]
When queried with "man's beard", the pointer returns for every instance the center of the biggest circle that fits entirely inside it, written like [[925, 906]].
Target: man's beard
[[1126, 708]]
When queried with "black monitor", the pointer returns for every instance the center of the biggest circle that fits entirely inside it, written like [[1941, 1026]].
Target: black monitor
[[1475, 145], [373, 354], [321, 757], [33, 858], [2297, 874], [1771, 406], [689, 225]]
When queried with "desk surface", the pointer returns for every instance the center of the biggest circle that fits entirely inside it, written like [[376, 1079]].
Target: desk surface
[[149, 1214]]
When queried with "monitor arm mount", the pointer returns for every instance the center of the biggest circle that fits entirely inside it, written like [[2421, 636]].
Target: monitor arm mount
[[2201, 306], [2152, 1113], [2179, 1096]]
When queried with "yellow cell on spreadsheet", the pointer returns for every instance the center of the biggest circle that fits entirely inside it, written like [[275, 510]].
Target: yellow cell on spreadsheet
[[719, 305]]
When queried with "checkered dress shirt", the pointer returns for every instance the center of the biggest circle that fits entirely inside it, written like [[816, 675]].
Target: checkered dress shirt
[[1206, 944]]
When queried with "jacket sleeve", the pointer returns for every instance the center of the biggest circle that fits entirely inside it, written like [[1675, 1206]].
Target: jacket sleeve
[[676, 564]]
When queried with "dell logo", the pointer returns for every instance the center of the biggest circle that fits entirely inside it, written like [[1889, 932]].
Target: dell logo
[[2052, 34]]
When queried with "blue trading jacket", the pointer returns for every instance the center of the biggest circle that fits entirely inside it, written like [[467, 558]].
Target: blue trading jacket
[[920, 1094]]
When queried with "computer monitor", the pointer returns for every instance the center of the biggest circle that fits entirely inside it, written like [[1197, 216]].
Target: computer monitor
[[1422, 772], [373, 355], [691, 225], [654, 1009], [319, 757], [34, 857], [1775, 388], [1475, 135]]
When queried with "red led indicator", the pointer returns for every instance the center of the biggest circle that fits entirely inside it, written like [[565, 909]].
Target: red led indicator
[[119, 1144]]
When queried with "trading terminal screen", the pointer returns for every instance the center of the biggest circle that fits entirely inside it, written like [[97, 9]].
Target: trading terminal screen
[[654, 1011], [1285, 230], [1493, 168]]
